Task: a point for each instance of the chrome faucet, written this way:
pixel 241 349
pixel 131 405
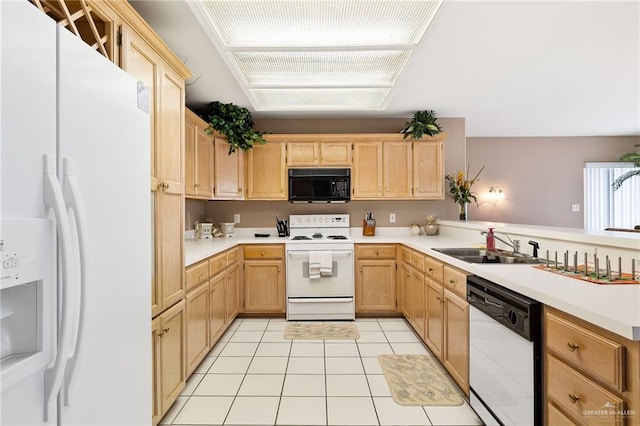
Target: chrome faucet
pixel 514 244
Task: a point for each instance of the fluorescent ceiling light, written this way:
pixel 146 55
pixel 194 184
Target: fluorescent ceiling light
pixel 357 46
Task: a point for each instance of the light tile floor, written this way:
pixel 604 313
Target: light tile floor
pixel 253 376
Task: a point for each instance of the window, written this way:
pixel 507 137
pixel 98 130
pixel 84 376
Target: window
pixel 604 207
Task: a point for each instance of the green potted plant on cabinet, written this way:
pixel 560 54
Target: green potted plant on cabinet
pixel 423 122
pixel 236 124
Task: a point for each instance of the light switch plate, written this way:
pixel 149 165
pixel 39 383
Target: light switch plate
pixel 392 218
pixel 575 208
pixel 236 218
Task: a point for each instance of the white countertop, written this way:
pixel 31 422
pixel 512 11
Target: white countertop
pixel 612 307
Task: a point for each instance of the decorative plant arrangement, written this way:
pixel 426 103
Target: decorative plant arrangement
pixel 632 157
pixel 423 122
pixel 236 124
pixel 460 190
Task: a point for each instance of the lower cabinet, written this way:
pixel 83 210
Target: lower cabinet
pixel 417 318
pixel 434 330
pixel 404 277
pixel 217 306
pixel 233 292
pixel 197 317
pixel 456 338
pixel 375 278
pixel 169 357
pixel 263 273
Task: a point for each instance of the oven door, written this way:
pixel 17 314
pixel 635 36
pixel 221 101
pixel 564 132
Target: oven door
pixel 339 284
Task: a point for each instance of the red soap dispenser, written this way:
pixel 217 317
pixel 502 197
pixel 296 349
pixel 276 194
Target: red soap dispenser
pixel 491 241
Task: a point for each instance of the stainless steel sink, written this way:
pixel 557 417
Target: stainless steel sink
pixel 474 255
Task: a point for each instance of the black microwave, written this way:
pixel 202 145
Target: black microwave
pixel 319 185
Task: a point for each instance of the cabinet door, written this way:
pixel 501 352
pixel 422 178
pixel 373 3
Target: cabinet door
pixel 417 302
pixel 433 332
pixel 397 169
pixel 172 354
pixel 266 172
pixel 375 285
pixel 456 339
pixel 197 325
pixel 367 170
pixel 189 154
pixel 140 61
pixel 264 286
pixel 217 307
pixel 156 378
pixel 302 154
pixel 405 273
pixel 228 171
pixel 204 162
pixel 428 170
pixel 335 154
pixel 233 292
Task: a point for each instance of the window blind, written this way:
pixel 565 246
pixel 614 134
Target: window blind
pixel 604 207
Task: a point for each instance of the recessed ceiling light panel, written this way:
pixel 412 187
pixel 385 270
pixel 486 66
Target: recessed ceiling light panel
pixel 320 99
pixel 313 68
pixel 311 23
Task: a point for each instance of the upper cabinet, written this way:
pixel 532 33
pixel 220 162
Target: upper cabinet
pixel 228 171
pixel 318 150
pixel 198 158
pixel 387 167
pixel 266 172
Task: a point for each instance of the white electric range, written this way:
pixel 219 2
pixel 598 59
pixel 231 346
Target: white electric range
pixel 320 280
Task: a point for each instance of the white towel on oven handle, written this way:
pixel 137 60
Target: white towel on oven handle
pixel 320 264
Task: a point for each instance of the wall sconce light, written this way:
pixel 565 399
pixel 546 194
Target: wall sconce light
pixel 495 193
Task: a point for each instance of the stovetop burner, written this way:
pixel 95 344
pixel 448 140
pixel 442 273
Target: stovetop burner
pixel 336 237
pixel 300 237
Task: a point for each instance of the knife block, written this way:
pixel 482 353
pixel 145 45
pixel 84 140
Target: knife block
pixel 369 228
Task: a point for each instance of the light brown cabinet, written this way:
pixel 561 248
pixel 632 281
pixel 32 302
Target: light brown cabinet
pixel 456 338
pixel 385 166
pixel 233 292
pixel 266 172
pixel 197 325
pixel 434 328
pixel 404 279
pixel 335 153
pixel 321 150
pixel 217 307
pixel 228 171
pixel 303 154
pixel 198 158
pixel 396 174
pixel 418 299
pixel 375 278
pixel 263 273
pixel 366 179
pixel 589 369
pixel 169 357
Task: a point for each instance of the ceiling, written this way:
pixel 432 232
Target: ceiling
pixel 510 68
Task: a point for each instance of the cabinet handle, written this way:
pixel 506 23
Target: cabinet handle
pixel 574 398
pixel 377 253
pixel 431 270
pixel 160 334
pixel 262 253
pixel 166 330
pixel 278 269
pixel 164 185
pixel 573 347
pixel 197 185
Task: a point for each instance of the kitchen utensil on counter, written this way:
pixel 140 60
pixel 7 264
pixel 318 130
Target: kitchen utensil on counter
pixel 414 229
pixel 282 226
pixel 368 225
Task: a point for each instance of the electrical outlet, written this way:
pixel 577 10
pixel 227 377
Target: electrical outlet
pixel 392 218
pixel 236 218
pixel 575 208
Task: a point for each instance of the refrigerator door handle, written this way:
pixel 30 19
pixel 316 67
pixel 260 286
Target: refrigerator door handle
pixel 54 201
pixel 75 204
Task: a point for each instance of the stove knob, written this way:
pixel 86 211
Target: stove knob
pixel 315 219
pixel 309 220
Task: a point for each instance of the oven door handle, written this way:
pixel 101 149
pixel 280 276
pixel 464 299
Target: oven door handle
pixel 335 253
pixel 321 300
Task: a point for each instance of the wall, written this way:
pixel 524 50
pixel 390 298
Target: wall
pixel 262 213
pixel 540 177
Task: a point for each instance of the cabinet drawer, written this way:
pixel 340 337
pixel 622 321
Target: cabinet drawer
pixel 232 256
pixel 263 252
pixel 196 274
pixel 455 281
pixel 217 263
pixel 595 354
pixel 434 269
pixel 405 255
pixel 417 260
pixel 556 417
pixel 577 395
pixel 375 251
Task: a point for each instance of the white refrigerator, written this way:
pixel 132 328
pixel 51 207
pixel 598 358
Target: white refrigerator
pixel 76 230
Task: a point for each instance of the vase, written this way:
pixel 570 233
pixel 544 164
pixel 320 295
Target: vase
pixel 463 211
